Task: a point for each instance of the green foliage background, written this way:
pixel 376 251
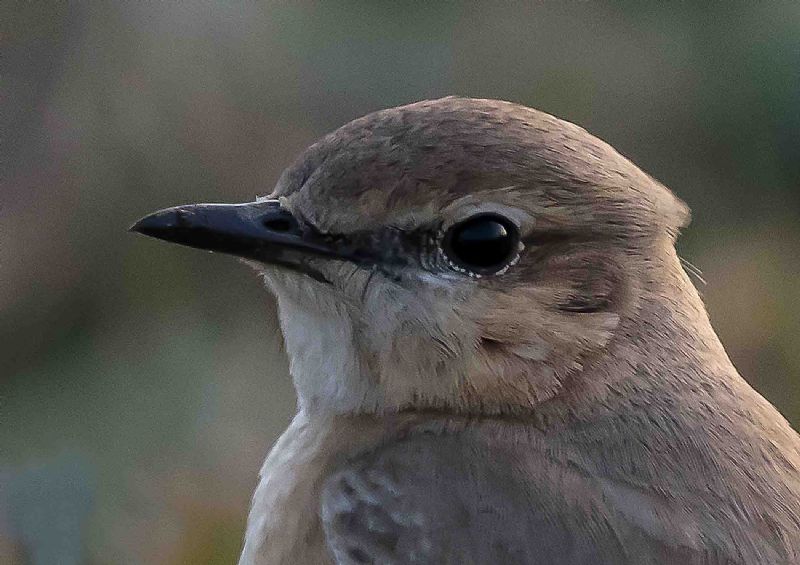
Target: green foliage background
pixel 142 384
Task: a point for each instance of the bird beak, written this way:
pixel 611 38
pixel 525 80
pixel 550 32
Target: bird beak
pixel 261 230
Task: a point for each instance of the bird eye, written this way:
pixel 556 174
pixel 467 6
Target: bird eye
pixel 483 244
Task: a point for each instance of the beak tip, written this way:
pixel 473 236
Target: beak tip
pixel 154 224
pixel 143 226
pixel 135 228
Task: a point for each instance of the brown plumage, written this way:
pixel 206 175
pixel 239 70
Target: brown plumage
pixel 568 404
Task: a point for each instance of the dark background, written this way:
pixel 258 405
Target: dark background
pixel 142 384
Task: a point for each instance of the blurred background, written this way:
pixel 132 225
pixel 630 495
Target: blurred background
pixel 142 384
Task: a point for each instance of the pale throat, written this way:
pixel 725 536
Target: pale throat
pixel 323 357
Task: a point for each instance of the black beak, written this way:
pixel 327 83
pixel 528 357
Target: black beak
pixel 262 230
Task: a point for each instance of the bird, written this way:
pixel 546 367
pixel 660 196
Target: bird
pixel 497 355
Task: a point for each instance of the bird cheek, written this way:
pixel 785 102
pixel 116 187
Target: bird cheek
pixel 525 350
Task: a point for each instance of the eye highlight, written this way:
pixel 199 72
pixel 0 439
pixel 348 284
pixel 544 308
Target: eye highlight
pixel 485 244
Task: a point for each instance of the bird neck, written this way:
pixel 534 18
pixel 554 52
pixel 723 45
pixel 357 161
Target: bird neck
pixel 673 324
pixel 663 348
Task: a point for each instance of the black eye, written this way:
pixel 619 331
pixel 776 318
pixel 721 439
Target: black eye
pixel 483 244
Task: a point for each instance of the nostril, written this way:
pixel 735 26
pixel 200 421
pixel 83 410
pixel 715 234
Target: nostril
pixel 279 224
pixel 182 217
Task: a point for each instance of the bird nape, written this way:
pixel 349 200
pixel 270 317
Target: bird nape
pixel 497 356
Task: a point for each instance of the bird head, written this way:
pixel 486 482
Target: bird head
pixel 458 254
